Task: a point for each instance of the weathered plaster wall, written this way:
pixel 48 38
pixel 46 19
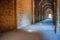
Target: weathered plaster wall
pixel 24 13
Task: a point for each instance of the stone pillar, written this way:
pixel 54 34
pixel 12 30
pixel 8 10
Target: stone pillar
pixel 58 18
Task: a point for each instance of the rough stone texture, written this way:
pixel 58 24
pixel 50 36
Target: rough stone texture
pixel 58 18
pixel 37 11
pixel 7 15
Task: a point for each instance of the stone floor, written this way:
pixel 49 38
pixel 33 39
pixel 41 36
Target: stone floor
pixel 46 27
pixel 43 30
pixel 21 35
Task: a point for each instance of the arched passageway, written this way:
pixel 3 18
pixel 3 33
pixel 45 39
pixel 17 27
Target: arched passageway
pixel 41 11
pixel 44 9
pixel 48 13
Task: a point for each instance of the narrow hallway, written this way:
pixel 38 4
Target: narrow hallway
pixel 29 20
pixel 46 24
pixel 46 27
pixel 43 30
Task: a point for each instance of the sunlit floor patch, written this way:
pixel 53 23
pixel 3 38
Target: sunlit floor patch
pixel 29 30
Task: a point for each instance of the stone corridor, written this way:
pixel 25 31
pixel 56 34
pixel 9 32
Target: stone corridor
pixel 46 27
pixel 43 30
pixel 29 19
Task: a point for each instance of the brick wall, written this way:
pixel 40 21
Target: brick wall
pixel 7 15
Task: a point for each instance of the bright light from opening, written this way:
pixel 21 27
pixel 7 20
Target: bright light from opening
pixel 29 30
pixel 50 16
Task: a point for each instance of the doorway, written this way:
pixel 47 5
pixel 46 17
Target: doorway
pixel 49 13
pixel 50 16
